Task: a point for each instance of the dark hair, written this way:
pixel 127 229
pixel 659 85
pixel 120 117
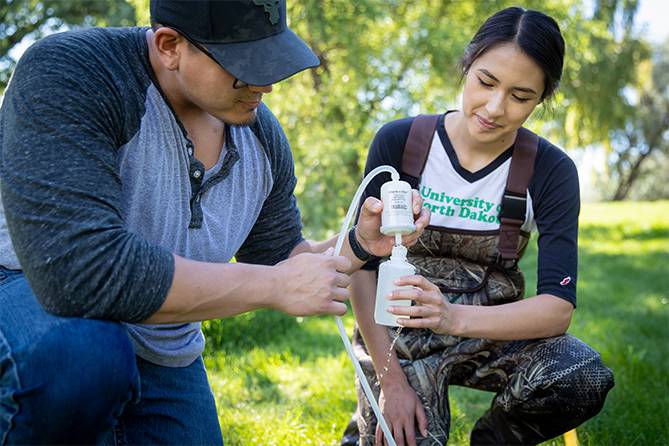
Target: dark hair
pixel 535 33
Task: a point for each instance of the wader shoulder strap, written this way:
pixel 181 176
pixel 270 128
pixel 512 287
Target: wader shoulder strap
pixel 514 202
pixel 418 146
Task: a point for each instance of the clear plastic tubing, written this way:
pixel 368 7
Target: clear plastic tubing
pixel 340 325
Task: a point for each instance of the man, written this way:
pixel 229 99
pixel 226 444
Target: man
pixel 134 165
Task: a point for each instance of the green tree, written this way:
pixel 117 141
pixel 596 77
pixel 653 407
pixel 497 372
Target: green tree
pixel 641 146
pixel 385 59
pixel 32 19
pixel 141 11
pixel 602 55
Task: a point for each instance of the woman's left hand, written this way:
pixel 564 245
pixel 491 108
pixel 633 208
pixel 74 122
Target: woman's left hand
pixel 430 309
pixel 368 228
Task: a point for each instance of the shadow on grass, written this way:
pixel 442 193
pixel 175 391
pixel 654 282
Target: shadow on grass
pixel 623 231
pixel 262 388
pixel 274 332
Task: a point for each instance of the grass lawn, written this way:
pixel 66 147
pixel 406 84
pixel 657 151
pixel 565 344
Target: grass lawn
pixel 281 380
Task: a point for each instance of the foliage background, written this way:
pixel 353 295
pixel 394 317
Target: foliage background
pixel 385 59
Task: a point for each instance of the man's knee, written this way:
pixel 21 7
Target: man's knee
pixel 85 359
pixel 77 376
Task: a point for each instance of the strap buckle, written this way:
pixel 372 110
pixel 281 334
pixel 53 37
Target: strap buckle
pixel 514 207
pixel 502 262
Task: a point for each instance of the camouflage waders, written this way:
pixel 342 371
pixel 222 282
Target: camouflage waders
pixel 543 387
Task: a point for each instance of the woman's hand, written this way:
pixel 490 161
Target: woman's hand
pixel 430 309
pixel 368 228
pixel 403 411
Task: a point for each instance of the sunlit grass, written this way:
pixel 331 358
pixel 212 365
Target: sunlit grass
pixel 280 380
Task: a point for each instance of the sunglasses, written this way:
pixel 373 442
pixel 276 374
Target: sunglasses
pixel 236 84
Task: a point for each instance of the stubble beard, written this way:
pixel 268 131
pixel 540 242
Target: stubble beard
pixel 242 122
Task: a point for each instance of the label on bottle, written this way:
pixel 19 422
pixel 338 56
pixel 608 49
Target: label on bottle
pixel 399 202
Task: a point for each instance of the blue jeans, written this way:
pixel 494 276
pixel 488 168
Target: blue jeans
pixel 77 381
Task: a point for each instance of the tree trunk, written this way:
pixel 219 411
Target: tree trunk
pixel 625 185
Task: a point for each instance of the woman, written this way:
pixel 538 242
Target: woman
pixel 469 324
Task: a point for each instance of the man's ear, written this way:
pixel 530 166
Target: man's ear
pixel 169 45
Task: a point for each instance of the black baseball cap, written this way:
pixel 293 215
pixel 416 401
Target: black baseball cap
pixel 249 38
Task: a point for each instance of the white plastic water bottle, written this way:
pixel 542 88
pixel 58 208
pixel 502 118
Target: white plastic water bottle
pixel 389 271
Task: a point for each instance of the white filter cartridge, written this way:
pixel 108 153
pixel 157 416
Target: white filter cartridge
pixel 397 216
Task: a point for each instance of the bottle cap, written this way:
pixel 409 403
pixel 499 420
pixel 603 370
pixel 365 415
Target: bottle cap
pixel 399 254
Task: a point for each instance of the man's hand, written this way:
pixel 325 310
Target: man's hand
pixel 403 411
pixel 310 284
pixel 368 229
pixel 430 309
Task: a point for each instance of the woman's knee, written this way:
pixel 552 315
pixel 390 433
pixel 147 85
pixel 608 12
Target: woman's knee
pixel 586 375
pixel 578 375
pixel 590 384
pixel 559 373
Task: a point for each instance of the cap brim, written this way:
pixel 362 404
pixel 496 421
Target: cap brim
pixel 264 61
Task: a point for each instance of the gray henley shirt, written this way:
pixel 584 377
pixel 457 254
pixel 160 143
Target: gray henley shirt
pixel 99 188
